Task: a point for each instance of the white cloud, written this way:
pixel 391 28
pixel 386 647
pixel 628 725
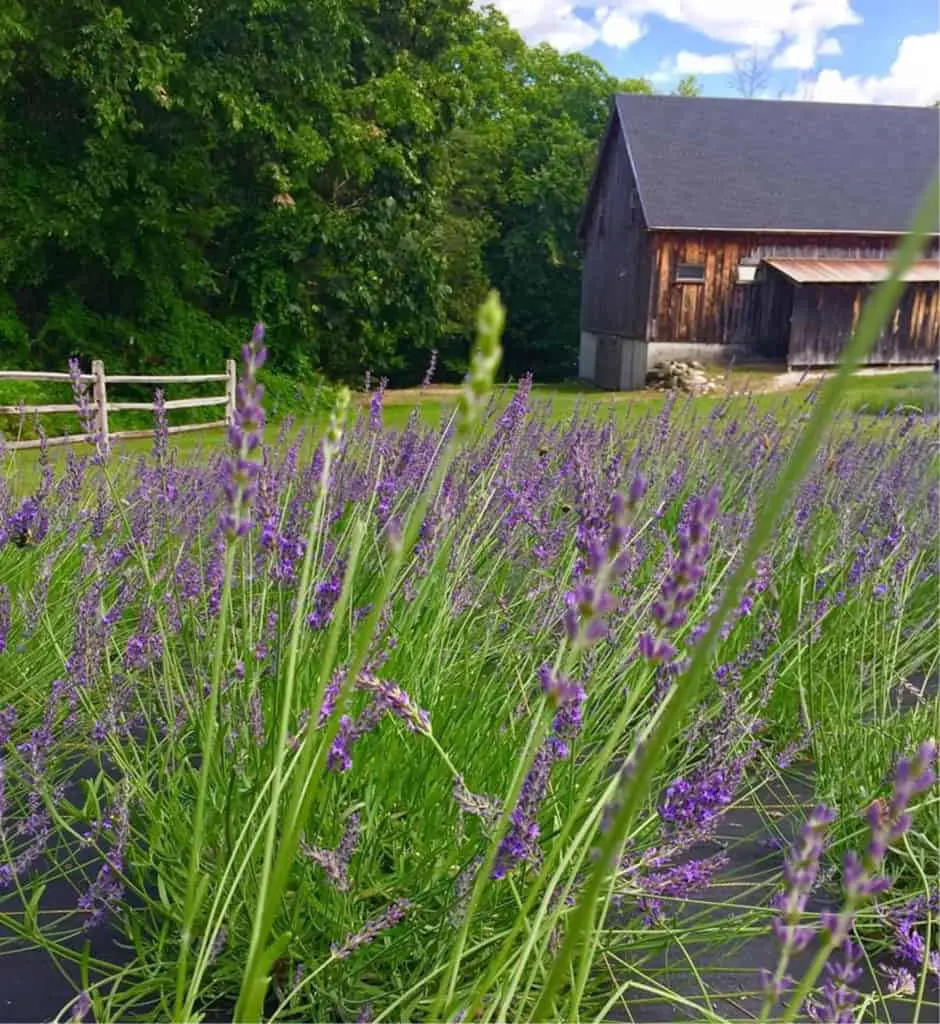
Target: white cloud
pixel 618 29
pixel 759 23
pixel 800 55
pixel 687 63
pixel 793 27
pixel 829 47
pixel 549 22
pixel 914 78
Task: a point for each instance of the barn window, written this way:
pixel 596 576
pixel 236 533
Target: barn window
pixel 690 273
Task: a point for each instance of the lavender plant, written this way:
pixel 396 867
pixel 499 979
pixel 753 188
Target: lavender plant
pixel 350 724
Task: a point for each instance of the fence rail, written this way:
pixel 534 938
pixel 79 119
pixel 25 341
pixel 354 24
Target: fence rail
pixel 102 406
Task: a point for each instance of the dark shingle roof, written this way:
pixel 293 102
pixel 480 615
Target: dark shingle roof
pixel 737 164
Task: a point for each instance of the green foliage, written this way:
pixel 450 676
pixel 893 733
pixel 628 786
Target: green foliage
pixel 688 86
pixel 305 395
pixel 357 174
pixel 519 173
pixel 15 426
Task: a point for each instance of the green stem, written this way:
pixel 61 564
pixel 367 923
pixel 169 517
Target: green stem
pixel 448 987
pixel 807 982
pixel 559 845
pixel 205 770
pixel 266 905
pixel 251 997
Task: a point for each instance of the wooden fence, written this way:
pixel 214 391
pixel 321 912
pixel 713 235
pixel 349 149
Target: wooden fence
pixel 103 407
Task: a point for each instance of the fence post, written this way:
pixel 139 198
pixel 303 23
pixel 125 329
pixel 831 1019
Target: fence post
pixel 231 385
pixel 101 397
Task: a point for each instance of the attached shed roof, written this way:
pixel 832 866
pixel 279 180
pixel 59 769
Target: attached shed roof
pixel 836 271
pixel 775 165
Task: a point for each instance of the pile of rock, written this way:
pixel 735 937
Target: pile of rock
pixel 679 376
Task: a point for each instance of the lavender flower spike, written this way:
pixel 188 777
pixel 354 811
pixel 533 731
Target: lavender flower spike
pixel 81 1007
pixel 371 930
pixel 671 611
pixel 606 561
pixel 335 863
pixel 87 410
pixel 429 372
pixel 245 435
pixel 837 999
pixel 800 872
pixel 888 821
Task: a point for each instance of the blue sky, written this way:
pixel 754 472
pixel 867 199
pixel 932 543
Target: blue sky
pixel 862 51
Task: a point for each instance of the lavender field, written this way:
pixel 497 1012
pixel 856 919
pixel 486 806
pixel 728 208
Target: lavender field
pixel 365 725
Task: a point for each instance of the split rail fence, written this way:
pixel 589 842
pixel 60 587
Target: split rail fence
pixel 102 407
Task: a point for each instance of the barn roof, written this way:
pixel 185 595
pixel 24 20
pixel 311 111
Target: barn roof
pixel 842 271
pixel 775 165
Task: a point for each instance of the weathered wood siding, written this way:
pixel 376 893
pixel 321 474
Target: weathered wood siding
pixel 616 273
pixel 720 311
pixel 824 316
pixel 770 308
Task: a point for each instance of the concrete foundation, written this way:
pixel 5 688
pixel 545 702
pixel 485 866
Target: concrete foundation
pixel 587 356
pixel 612 362
pixel 634 359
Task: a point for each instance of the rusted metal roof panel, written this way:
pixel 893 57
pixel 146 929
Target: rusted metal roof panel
pixel 842 271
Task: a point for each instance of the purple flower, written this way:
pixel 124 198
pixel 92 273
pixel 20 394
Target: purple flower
pixel 81 1007
pixel 7 721
pixel 325 596
pixel 429 372
pixel 515 411
pixel 241 471
pixel 371 930
pixel 375 405
pixel 335 863
pixel 486 808
pixel 394 699
pixel 800 873
pixel 29 524
pixel 837 998
pixel 905 921
pixel 791 751
pixel 900 981
pixel 605 561
pixel 463 886
pixel 87 410
pixel 106 891
pixel 520 844
pixel 888 821
pixel 339 759
pixel 161 431
pixel 694 804
pixel 671 610
pixel 675 883
pixel 330 696
pixel 256 717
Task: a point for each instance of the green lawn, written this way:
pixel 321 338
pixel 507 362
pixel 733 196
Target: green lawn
pixel 916 389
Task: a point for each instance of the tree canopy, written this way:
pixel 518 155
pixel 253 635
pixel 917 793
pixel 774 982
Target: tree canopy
pixel 355 172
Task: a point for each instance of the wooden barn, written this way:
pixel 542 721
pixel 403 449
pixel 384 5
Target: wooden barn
pixel 719 228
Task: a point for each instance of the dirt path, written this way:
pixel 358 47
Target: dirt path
pixel 793 378
pixel 741 380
